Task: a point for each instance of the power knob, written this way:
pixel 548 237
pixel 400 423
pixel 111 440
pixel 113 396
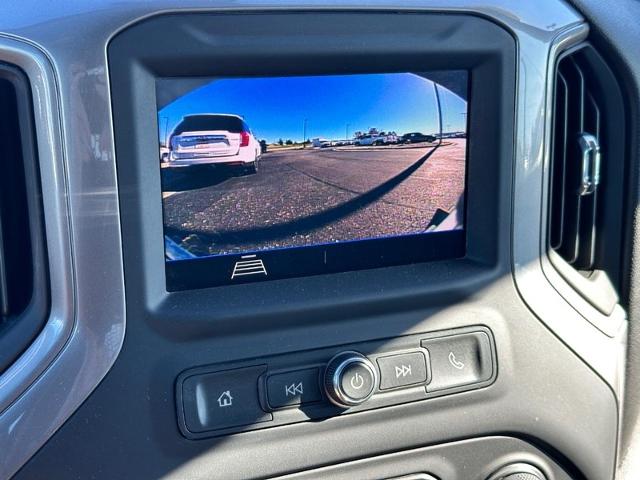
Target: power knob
pixel 350 379
pixel 518 471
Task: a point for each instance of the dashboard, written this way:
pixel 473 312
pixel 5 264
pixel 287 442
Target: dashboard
pixel 319 240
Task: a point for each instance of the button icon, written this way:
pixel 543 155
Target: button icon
pixel 357 382
pixel 293 389
pixel 403 371
pixel 225 399
pixel 455 363
pixel 248 265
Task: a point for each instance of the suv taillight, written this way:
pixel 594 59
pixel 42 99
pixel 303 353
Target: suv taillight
pixel 244 139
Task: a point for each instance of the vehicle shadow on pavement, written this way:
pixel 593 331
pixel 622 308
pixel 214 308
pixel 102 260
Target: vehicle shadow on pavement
pixel 309 223
pixel 183 178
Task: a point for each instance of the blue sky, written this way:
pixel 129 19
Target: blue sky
pixel 333 106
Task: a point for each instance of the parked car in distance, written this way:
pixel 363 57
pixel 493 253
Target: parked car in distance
pixel 214 139
pixel 376 139
pixel 417 137
pixel 321 143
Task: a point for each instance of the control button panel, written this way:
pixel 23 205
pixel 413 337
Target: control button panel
pixel 402 370
pixel 296 387
pixel 220 400
pixel 459 360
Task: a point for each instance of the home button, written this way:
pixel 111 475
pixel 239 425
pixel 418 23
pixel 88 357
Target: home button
pixel 226 399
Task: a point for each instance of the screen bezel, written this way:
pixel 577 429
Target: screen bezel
pixel 311 42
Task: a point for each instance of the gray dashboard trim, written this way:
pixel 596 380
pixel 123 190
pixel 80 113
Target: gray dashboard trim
pixel 85 332
pixel 73 352
pixel 542 288
pixel 444 461
pixel 48 136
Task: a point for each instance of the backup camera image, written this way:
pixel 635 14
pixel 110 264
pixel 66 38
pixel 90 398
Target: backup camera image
pixel 257 165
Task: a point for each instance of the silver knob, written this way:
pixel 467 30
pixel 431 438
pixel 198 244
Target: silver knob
pixel 518 471
pixel 350 379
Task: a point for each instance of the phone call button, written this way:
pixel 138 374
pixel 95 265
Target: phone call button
pixel 458 360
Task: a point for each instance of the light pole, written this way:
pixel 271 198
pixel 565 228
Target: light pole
pixel 346 132
pixel 437 92
pixel 166 127
pixel 304 133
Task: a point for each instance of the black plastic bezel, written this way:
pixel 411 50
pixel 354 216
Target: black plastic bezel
pixel 308 42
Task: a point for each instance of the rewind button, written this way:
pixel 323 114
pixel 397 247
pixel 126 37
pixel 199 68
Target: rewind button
pixel 293 388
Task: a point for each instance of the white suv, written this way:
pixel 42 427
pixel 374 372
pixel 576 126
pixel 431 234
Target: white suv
pixel 376 139
pixel 213 138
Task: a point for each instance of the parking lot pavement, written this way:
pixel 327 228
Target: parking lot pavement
pixel 303 197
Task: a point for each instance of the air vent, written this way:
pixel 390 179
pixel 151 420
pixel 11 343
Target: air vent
pixel 23 286
pixel 587 175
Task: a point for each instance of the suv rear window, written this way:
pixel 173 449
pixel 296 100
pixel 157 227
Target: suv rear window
pixel 209 122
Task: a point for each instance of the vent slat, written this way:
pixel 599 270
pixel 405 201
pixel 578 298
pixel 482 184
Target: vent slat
pixel 588 232
pixel 4 287
pixel 581 94
pixel 570 244
pixel 559 174
pixel 593 116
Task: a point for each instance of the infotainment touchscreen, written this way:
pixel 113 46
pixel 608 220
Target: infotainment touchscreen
pixel 276 177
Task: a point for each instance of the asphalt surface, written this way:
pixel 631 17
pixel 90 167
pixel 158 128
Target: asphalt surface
pixel 305 197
